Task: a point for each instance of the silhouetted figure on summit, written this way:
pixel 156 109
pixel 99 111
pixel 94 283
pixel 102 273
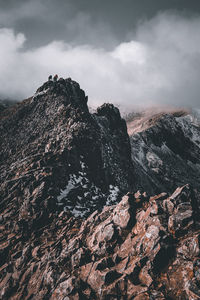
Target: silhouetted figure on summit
pixel 50 78
pixel 55 78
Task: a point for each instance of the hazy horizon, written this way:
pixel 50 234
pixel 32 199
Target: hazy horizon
pixel 130 54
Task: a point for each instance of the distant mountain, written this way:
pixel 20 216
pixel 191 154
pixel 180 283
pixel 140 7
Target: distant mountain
pixel 5 103
pixel 166 149
pixel 93 207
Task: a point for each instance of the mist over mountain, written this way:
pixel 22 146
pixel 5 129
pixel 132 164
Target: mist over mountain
pixel 157 64
pixel 100 150
pixel 88 212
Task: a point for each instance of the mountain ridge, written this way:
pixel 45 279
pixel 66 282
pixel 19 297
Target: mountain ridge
pixel 90 212
pixel 54 134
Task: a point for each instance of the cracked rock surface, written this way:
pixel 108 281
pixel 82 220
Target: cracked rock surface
pixel 154 254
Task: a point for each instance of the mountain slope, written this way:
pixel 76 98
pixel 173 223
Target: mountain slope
pixel 61 167
pixel 166 150
pixel 142 248
pixel 52 147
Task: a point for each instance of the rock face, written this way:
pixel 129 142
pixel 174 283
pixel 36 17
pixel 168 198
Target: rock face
pixel 55 154
pixel 56 158
pixel 166 150
pixel 142 248
pixel 73 225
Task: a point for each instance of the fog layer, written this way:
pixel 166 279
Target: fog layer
pixel 159 65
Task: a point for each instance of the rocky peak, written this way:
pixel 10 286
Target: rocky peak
pixel 58 156
pixel 70 91
pixel 111 113
pixel 73 225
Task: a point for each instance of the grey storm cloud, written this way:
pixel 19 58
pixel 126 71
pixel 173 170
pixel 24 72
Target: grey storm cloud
pixel 156 62
pixel 73 21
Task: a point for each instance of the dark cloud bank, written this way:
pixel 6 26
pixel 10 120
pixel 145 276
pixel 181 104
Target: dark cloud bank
pixel 157 62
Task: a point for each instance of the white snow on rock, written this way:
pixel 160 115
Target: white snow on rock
pixel 88 196
pixel 112 198
pixel 79 212
pixel 39 94
pixel 73 180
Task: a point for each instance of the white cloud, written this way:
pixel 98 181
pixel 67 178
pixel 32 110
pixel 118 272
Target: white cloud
pixel 160 65
pixel 132 52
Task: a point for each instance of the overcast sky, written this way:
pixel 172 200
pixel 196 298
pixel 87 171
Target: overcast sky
pixel 127 52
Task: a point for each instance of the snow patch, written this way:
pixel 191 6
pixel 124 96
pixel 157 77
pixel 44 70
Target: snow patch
pixel 39 94
pixel 113 194
pixel 85 196
pixel 73 180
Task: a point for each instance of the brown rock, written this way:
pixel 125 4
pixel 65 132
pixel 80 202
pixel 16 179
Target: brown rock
pixel 121 214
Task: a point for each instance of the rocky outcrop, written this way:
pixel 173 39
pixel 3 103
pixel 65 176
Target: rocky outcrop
pixel 165 150
pixel 57 161
pixel 141 248
pixel 55 155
